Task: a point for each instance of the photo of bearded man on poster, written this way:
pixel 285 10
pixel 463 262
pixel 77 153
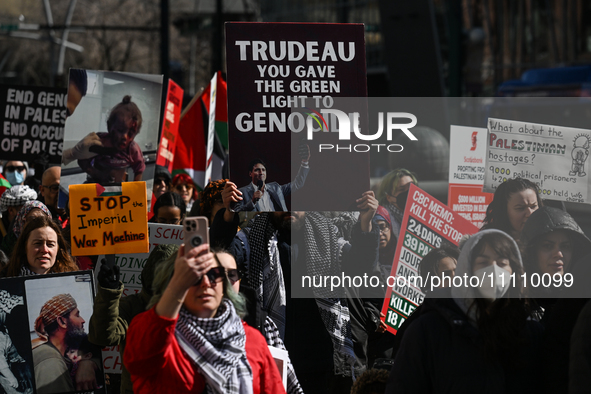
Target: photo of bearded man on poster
pixel 60 327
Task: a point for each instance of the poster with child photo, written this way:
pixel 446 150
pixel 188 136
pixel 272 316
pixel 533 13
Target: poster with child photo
pixel 111 131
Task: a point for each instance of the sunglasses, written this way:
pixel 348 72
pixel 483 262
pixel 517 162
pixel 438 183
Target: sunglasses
pixel 53 188
pixel 234 275
pixel 15 168
pixel 215 275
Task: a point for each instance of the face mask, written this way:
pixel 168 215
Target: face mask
pixel 501 282
pixel 15 177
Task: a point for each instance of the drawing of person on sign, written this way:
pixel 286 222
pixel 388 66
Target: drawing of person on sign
pixel 579 154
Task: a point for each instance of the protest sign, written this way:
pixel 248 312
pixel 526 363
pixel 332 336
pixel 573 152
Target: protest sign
pixel 466 173
pixel 427 224
pixel 274 68
pixel 170 125
pixel 30 304
pixel 32 122
pixel 112 135
pixel 131 266
pixel 552 157
pixel 108 221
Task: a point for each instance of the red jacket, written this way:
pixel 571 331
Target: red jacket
pixel 158 365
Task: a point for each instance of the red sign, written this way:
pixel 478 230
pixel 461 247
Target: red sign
pixel 170 126
pixel 426 225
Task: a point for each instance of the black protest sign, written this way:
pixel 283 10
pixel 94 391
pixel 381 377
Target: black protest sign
pixel 276 70
pixel 42 356
pixel 33 121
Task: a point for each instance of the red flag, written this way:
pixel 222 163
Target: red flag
pixel 190 152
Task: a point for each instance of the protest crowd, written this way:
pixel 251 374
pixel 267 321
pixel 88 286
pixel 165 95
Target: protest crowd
pixel 138 272
pixel 204 315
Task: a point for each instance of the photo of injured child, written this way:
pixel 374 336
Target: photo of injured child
pixel 115 151
pixel 112 135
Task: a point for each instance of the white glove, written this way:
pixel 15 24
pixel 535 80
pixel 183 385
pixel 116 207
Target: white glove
pixel 81 150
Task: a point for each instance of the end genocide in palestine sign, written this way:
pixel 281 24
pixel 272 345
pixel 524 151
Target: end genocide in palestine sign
pixel 33 121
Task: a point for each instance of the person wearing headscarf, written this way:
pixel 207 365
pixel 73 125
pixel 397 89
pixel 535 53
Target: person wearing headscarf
pixel 58 322
pixel 11 202
pixel 556 247
pixel 29 210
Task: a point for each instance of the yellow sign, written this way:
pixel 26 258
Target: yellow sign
pixel 109 221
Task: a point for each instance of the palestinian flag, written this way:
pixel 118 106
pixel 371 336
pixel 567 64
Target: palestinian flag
pixel 190 155
pixel 4 184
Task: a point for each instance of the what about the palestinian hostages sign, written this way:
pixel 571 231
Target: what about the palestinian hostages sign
pixel 553 157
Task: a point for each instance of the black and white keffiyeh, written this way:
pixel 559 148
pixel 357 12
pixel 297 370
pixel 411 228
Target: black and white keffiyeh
pixel 263 269
pixel 25 271
pixel 9 301
pixel 273 339
pixel 396 216
pixel 15 196
pixel 323 253
pixel 217 347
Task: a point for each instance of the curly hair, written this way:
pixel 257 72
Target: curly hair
pixel 64 262
pixel 210 195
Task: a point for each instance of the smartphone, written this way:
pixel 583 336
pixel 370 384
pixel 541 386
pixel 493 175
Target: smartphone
pixel 196 232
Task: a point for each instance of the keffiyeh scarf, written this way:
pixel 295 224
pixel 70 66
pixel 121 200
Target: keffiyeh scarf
pixel 263 269
pixel 21 216
pixel 323 253
pixel 396 216
pixel 217 347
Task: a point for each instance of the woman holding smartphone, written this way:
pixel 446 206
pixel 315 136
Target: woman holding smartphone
pixel 194 338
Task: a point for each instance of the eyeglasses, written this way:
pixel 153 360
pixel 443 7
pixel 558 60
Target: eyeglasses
pixel 53 188
pixel 15 168
pixel 182 186
pixel 234 275
pixel 383 228
pixel 215 275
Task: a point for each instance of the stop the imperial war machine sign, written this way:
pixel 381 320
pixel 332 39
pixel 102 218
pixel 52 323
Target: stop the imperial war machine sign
pixel 109 222
pixel 427 224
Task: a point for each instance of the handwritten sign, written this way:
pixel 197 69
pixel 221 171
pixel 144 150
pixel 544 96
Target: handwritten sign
pixel 553 157
pixel 466 173
pixel 426 225
pixel 108 222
